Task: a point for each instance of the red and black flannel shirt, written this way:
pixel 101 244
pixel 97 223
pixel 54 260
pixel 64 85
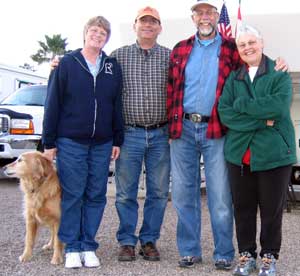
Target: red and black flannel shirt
pixel 229 60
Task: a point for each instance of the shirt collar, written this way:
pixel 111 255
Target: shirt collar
pixel 149 51
pixel 98 60
pixel 207 42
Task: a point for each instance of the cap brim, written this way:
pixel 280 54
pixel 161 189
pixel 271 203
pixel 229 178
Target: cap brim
pixel 198 4
pixel 146 14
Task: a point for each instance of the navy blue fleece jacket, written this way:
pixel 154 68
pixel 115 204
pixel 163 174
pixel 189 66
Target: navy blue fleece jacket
pixel 82 108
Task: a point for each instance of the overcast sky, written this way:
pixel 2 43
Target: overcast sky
pixel 24 22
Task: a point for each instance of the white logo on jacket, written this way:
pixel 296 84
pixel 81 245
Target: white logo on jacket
pixel 108 68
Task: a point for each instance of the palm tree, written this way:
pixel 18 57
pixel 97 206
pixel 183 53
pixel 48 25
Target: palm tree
pixel 55 45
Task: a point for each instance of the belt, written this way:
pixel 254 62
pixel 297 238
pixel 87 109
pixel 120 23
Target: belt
pixel 149 127
pixel 196 118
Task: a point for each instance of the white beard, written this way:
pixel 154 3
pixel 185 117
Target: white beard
pixel 206 31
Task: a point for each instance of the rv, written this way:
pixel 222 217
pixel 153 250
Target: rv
pixel 12 78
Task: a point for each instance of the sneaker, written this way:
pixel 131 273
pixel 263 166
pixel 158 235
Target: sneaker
pixel 223 264
pixel 189 261
pixel 126 253
pixel 149 252
pixel 73 260
pixel 89 259
pixel 268 266
pixel 246 265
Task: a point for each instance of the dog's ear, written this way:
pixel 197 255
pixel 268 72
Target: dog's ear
pixel 46 165
pixel 38 172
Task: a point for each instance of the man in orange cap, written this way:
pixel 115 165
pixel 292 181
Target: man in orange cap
pixel 145 68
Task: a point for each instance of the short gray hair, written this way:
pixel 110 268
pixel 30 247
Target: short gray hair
pixel 99 21
pixel 247 29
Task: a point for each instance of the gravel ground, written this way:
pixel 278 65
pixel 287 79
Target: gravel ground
pixel 12 229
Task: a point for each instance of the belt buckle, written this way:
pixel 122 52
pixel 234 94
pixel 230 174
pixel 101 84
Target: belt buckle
pixel 196 118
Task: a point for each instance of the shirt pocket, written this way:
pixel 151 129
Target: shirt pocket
pixel 176 65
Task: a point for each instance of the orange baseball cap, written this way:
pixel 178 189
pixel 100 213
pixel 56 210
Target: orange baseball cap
pixel 148 11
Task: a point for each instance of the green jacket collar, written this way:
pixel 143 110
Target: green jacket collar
pixel 262 69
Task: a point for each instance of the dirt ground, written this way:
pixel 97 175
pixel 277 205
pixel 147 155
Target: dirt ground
pixel 12 231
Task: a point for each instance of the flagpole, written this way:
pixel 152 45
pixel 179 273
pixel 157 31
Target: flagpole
pixel 239 19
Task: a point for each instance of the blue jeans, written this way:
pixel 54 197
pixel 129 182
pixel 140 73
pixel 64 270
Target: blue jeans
pixel 185 163
pixel 83 172
pixel 152 147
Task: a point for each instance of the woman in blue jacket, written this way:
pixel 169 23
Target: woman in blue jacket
pixel 83 128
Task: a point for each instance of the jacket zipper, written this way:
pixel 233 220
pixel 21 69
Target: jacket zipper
pixel 95 79
pixel 96 107
pixel 251 96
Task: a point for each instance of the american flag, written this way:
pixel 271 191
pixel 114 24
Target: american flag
pixel 224 22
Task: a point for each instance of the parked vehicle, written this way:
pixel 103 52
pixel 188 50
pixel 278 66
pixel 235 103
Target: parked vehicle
pixel 21 117
pixel 12 78
pixel 21 123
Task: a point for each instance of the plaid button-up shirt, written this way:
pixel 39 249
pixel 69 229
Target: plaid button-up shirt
pixel 145 74
pixel 229 60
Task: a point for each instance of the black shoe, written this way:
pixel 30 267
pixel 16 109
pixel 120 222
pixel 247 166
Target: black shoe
pixel 189 261
pixel 223 264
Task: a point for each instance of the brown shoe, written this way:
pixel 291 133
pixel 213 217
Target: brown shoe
pixel 126 253
pixel 149 252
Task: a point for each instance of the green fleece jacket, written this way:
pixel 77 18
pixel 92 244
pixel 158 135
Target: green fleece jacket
pixel 245 107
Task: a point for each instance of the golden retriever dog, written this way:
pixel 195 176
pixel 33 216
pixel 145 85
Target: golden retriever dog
pixel 42 196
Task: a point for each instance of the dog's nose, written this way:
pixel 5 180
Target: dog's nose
pixel 5 170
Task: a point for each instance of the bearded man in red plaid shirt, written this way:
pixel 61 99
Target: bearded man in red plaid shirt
pixel 198 69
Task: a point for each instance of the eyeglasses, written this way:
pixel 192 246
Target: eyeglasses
pixel 249 43
pixel 201 13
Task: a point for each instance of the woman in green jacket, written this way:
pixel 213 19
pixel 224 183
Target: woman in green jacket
pixel 259 149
